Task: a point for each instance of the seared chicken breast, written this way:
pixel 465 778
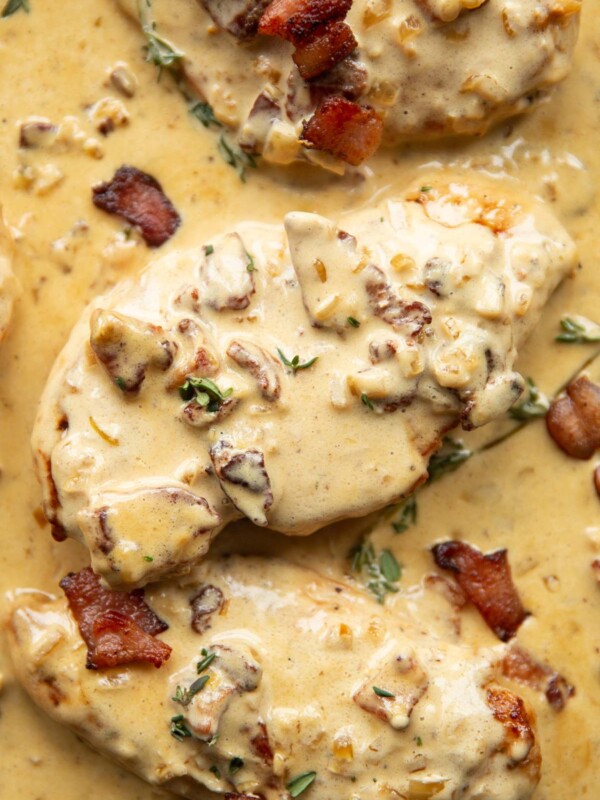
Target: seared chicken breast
pixel 279 678
pixel 234 378
pixel 328 81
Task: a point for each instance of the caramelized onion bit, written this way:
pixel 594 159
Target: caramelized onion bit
pixel 573 420
pixel 238 17
pixel 295 20
pixel 139 199
pixel 344 129
pixel 328 45
pixel 520 666
pixel 117 627
pixel 487 581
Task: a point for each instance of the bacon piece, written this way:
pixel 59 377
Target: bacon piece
pixel 344 129
pixel 263 368
pixel 328 45
pixel 238 17
pixel 487 582
pixel 347 79
pixel 261 745
pixel 118 627
pixel 139 199
pixel 520 666
pixel 387 305
pixel 573 420
pixel 295 20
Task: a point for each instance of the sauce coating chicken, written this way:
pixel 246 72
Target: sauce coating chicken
pixel 8 282
pixel 231 379
pixel 411 69
pixel 246 707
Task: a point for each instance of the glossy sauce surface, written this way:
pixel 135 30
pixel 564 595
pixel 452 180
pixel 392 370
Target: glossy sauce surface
pixel 524 494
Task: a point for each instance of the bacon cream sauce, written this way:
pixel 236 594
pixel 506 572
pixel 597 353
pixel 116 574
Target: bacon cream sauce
pixel 524 494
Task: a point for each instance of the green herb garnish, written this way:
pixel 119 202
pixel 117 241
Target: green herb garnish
pixel 449 458
pixel 179 730
pixel 536 404
pixel 408 515
pixel 215 771
pixel 353 322
pixel 426 188
pixel 235 765
pixel 209 657
pixel 120 383
pixel 148 558
pixel 380 574
pixel 15 5
pixel 295 364
pixel 578 330
pixel 383 692
pixel 209 250
pixel 300 783
pixel 418 741
pixel 237 159
pixel 185 696
pixel 204 113
pixel 250 265
pixel 364 399
pixel 205 392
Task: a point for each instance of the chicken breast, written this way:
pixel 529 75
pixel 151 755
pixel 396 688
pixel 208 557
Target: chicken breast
pixel 294 378
pixel 8 282
pixel 327 81
pixel 245 708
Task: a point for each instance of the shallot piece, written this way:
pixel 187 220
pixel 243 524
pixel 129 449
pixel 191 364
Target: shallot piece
pixel 344 129
pixel 139 198
pixel 117 627
pixel 487 582
pixel 573 420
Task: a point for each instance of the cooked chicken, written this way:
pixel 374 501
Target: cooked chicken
pixel 8 283
pixel 233 379
pixel 411 69
pixel 245 708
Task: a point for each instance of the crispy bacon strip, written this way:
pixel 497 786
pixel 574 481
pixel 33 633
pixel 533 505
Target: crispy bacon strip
pixel 487 581
pixel 520 666
pixel 344 129
pixel 118 627
pixel 139 199
pixel 328 45
pixel 573 420
pixel 296 20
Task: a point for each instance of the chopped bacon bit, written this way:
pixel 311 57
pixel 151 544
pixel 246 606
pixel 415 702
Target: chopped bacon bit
pixel 487 582
pixel 344 129
pixel 261 745
pixel 295 20
pixel 597 480
pixel 391 308
pixel 139 199
pixel 520 666
pixel 208 601
pixel 573 420
pixel 328 45
pixel 347 79
pixel 118 627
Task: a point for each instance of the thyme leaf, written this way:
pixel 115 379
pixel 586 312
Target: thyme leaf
pixel 238 159
pixel 365 400
pixel 408 515
pixel 209 657
pixel 450 457
pixel 300 783
pixel 215 771
pixel 536 404
pixel 15 5
pixel 295 364
pixel 578 330
pixel 353 322
pixel 379 573
pixel 205 392
pixel 158 50
pixel 185 696
pixel 235 765
pixel 383 692
pixel 204 114
pixel 179 730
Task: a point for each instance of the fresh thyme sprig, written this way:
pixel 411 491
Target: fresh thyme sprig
pixel 535 404
pixel 578 330
pixel 380 573
pixel 205 392
pixel 408 515
pixel 238 159
pixel 158 50
pixel 300 783
pixel 204 114
pixel 185 696
pixel 295 364
pixel 448 458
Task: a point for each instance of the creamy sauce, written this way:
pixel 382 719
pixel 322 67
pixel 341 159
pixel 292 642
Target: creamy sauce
pixel 524 494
